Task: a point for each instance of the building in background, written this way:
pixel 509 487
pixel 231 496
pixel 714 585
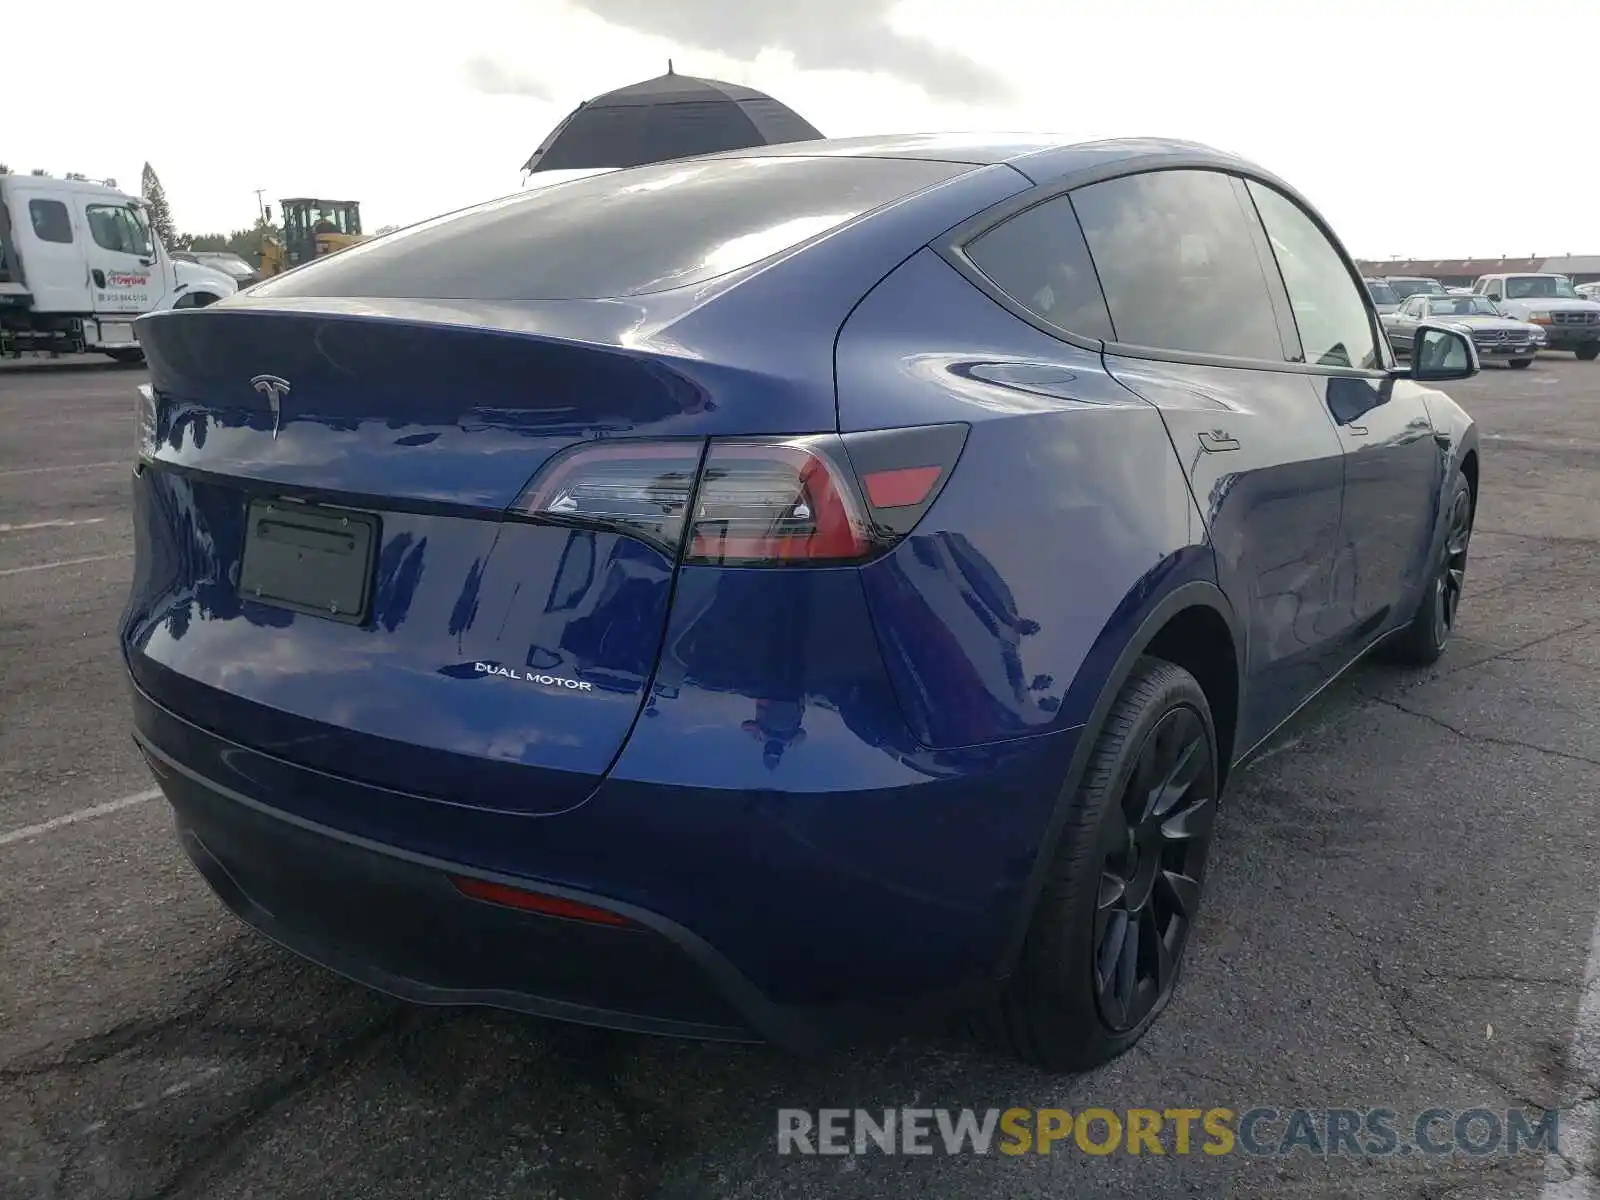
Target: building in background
pixel 1463 272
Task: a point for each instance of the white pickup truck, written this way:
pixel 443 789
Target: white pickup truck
pixel 1570 321
pixel 79 263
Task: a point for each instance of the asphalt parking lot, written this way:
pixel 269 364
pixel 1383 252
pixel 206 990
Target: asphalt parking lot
pixel 1401 908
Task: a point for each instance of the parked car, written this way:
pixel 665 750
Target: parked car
pixel 1589 291
pixel 1493 333
pixel 1414 285
pixel 738 597
pixel 1383 297
pixel 236 268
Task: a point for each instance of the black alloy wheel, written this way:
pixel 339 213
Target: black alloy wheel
pixel 1106 939
pixel 1422 642
pixel 1452 574
pixel 1152 864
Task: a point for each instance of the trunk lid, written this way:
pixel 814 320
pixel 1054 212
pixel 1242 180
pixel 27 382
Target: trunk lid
pixel 483 645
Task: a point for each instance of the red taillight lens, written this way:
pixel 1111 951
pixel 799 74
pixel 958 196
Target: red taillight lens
pixel 898 489
pixel 537 902
pixel 810 500
pixel 777 502
pixel 903 471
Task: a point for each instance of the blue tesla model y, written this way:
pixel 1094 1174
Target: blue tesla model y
pixel 762 595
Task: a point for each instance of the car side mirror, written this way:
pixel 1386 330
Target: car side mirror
pixel 1440 354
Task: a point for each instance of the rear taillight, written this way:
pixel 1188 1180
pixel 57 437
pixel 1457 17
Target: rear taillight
pixel 145 442
pixel 640 488
pixel 813 500
pixel 778 502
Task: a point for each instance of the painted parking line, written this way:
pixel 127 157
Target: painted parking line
pixel 28 832
pixel 89 466
pixel 59 523
pixel 66 562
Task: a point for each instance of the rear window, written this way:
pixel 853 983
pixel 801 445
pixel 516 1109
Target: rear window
pixel 621 234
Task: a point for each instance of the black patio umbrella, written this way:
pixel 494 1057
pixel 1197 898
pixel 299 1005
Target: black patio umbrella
pixel 670 116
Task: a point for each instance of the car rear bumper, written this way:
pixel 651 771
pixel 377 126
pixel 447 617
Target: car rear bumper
pixel 785 919
pixel 398 924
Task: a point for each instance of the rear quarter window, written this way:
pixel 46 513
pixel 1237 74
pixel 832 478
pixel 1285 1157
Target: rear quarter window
pixel 1040 260
pixel 629 233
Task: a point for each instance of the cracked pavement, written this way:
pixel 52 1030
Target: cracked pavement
pixel 1398 915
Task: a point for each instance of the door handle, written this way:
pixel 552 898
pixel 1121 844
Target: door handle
pixel 99 278
pixel 1218 440
pixel 1356 430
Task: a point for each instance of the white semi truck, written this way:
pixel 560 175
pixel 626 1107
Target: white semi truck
pixel 79 263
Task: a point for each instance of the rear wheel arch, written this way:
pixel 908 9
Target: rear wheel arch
pixel 1191 625
pixel 1200 640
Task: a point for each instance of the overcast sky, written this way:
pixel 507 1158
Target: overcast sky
pixel 1394 116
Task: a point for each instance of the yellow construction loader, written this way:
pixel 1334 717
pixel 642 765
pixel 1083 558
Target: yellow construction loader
pixel 311 229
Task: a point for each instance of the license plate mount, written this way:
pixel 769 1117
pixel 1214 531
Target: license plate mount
pixel 309 558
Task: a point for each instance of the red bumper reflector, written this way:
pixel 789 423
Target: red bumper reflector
pixel 550 906
pixel 896 489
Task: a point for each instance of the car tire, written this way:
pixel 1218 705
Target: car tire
pixel 1589 352
pixel 1421 642
pixel 1105 943
pixel 1519 363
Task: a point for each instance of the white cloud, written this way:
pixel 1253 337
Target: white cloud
pixel 1399 118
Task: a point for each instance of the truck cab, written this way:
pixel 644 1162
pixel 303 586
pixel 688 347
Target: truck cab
pixel 1570 322
pixel 79 262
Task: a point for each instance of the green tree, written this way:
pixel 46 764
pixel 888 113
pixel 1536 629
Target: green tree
pixel 155 198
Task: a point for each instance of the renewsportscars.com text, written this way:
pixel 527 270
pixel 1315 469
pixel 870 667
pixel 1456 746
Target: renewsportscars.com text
pixel 1259 1131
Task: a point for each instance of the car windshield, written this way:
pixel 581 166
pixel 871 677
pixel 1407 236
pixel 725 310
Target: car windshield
pixel 1462 306
pixel 1381 293
pixel 1525 287
pixel 1412 287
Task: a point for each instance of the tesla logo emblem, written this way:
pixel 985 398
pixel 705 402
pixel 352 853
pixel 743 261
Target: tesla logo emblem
pixel 274 389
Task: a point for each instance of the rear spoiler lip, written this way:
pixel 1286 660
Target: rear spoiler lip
pixel 609 324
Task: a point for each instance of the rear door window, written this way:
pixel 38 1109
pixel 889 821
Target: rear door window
pixel 51 223
pixel 629 233
pixel 1178 262
pixel 1039 259
pixel 1329 309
